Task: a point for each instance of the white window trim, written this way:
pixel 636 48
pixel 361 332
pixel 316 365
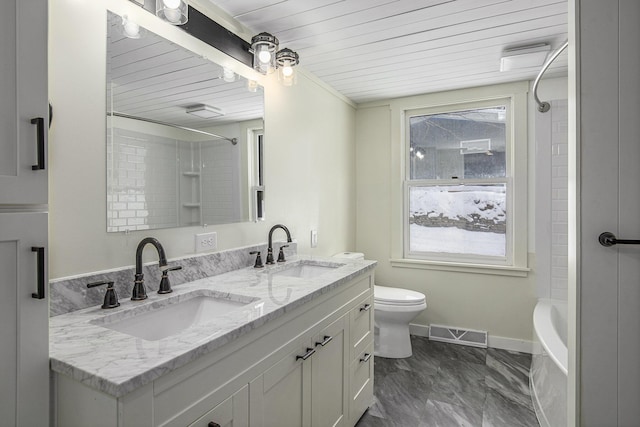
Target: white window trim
pixel 517 159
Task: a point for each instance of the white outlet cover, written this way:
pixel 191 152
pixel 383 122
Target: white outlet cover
pixel 206 242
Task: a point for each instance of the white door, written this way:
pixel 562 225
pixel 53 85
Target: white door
pixel 608 286
pixel 24 113
pixel 24 320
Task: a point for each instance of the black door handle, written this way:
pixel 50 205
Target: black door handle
pixel 609 239
pixel 39 122
pixel 40 268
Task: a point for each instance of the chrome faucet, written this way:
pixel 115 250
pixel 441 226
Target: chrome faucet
pixel 270 248
pixel 139 292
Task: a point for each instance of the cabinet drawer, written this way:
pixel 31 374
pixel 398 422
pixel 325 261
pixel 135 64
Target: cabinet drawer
pixel 233 412
pixel 361 383
pixel 361 325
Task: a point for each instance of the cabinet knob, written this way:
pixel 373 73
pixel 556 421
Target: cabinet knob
pixel 213 424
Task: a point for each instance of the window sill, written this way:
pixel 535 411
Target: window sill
pixel 499 270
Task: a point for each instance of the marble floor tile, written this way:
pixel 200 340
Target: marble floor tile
pixel 502 412
pixel 444 385
pixel 446 414
pixel 460 383
pixel 508 374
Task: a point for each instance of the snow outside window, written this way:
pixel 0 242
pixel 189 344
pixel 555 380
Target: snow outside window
pixel 457 191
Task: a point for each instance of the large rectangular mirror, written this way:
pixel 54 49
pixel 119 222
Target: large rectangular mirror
pixel 184 136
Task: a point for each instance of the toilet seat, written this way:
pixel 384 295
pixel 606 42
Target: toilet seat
pixel 386 296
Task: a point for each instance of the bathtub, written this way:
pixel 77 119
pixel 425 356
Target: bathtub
pixel 548 374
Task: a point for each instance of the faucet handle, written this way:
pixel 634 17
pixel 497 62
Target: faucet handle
pixel 110 297
pixel 281 253
pixel 258 263
pixel 165 285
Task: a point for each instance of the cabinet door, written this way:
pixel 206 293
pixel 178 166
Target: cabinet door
pixel 329 371
pixel 281 397
pixel 24 333
pixel 233 412
pixel 23 101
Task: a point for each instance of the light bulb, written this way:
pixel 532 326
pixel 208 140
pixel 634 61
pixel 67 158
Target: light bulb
pixel 131 29
pixel 171 4
pixel 228 75
pixel 264 56
pixel 287 71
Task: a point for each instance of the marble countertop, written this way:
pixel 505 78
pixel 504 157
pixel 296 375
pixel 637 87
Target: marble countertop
pixel 117 363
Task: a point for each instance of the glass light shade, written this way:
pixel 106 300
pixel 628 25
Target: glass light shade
pixel 252 85
pixel 175 12
pixel 228 75
pixel 130 29
pixel 264 47
pixel 287 61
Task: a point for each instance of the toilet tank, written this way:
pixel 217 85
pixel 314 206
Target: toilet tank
pixel 349 255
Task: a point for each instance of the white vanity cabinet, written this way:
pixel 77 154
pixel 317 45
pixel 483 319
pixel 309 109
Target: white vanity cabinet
pixel 24 116
pixel 304 368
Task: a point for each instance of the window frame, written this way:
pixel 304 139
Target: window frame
pixel 514 96
pixel 410 183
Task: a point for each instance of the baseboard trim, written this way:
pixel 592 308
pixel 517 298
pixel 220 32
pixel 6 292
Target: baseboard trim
pixel 503 343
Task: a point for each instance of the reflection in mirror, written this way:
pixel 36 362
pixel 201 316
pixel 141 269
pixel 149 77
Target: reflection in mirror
pixel 184 136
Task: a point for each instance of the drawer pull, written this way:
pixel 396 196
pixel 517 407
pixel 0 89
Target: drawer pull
pixel 307 355
pixel 366 358
pixel 365 307
pixel 326 340
pixel 212 424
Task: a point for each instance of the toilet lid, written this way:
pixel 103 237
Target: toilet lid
pixel 397 296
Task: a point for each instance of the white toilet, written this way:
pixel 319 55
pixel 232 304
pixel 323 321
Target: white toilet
pixel 394 308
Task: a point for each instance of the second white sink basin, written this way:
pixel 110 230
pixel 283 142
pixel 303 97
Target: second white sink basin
pixel 168 317
pixel 306 269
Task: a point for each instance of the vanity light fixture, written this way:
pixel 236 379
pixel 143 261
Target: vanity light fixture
pixel 205 111
pixel 252 85
pixel 287 60
pixel 264 47
pixel 228 75
pixel 175 12
pixel 130 29
pixel 524 57
pixel 267 58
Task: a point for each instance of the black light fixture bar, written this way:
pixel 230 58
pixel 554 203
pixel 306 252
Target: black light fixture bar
pixel 209 31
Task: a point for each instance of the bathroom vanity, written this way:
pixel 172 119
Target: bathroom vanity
pixel 294 348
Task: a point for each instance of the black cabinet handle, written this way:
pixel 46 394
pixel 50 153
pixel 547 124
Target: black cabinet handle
pixel 40 267
pixel 365 307
pixel 39 122
pixel 212 424
pixel 366 357
pixel 326 340
pixel 307 355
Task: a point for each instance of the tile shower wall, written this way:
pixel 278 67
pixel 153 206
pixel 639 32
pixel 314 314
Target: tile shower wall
pixel 142 191
pixel 160 182
pixel 552 201
pixel 559 199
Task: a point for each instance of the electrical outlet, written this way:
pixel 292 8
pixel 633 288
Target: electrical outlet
pixel 314 238
pixel 206 242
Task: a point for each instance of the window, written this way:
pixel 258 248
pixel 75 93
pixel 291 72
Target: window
pixel 464 186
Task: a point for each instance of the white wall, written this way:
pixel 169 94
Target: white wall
pixel 502 305
pixel 309 153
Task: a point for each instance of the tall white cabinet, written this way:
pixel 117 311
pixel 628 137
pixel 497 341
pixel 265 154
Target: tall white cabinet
pixel 24 116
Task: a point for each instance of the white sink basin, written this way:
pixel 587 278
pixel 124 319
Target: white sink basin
pixel 306 269
pixel 173 315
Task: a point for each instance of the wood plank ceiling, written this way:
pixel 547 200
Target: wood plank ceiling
pixel 377 49
pixel 153 78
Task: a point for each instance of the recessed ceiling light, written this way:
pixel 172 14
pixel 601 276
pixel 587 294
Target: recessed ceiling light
pixel 205 111
pixel 524 57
